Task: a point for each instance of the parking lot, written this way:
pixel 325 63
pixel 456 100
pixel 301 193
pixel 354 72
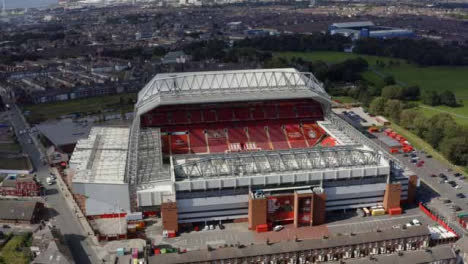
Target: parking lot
pixel 438 181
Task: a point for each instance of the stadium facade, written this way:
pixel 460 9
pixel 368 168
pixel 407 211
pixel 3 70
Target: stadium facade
pixel 261 146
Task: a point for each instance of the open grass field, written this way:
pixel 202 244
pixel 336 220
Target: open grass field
pixel 436 78
pixel 16 250
pixel 41 112
pixel 345 99
pixel 333 56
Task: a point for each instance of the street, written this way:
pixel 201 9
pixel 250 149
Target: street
pixel 64 218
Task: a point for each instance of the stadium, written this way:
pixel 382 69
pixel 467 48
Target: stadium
pixel 260 146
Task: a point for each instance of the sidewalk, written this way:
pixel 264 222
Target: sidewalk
pixel 74 206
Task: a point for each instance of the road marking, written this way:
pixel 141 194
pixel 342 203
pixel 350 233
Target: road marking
pixel 374 221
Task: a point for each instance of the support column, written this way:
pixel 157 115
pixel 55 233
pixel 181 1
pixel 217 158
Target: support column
pixel 392 196
pixel 296 210
pixel 412 186
pixel 318 208
pixel 257 212
pixel 169 216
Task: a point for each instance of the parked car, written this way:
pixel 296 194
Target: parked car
pixel 278 228
pixel 433 175
pixel 460 195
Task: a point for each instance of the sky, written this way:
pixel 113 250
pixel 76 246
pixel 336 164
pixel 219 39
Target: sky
pixel 27 3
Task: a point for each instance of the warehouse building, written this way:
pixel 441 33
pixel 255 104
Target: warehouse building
pixel 97 167
pixel 367 29
pixel 261 146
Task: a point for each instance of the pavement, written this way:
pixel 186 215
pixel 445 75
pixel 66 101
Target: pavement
pixel 83 249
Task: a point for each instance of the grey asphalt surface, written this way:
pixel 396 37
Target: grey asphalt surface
pixel 433 188
pixel 63 217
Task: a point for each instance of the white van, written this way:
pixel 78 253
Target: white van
pixel 50 181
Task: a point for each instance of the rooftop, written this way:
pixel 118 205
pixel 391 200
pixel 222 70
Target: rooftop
pixel 17 210
pixel 353 24
pixel 288 246
pixel 101 158
pixel 11 179
pixel 434 255
pixel 65 131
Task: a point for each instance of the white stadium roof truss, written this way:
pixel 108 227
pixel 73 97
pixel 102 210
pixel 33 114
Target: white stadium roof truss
pixel 265 162
pixel 229 82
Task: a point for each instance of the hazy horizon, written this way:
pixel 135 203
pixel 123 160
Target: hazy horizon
pixel 28 3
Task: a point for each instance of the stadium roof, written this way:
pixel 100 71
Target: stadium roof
pixel 101 158
pixel 223 86
pixel 353 24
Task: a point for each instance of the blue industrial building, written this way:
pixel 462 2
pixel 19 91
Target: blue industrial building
pixel 367 29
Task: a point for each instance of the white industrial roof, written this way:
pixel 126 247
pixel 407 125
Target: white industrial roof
pixel 353 24
pixel 101 158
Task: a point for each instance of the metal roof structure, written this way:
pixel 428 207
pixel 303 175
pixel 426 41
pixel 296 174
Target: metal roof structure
pixel 266 162
pixel 223 86
pixel 102 157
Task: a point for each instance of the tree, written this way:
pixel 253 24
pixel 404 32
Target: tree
pixel 448 98
pixel 456 149
pixel 411 92
pixel 431 98
pixel 377 106
pixel 389 80
pixel 407 118
pixel 393 109
pixel 392 92
pixel 420 124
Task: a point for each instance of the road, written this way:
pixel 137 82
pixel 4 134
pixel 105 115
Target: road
pixel 63 217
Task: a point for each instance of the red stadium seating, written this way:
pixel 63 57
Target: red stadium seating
pixel 195 116
pixel 240 126
pixel 286 111
pixel 258 135
pixel 270 112
pixel 237 135
pixel 217 141
pixel 225 114
pixel 209 116
pixel 257 113
pixel 328 142
pixel 312 133
pixel 277 137
pixel 295 137
pixel 308 111
pixel 179 144
pixel 179 117
pixel 242 113
pixel 197 141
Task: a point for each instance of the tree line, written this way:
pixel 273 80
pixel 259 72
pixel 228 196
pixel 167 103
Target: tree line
pixel 440 131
